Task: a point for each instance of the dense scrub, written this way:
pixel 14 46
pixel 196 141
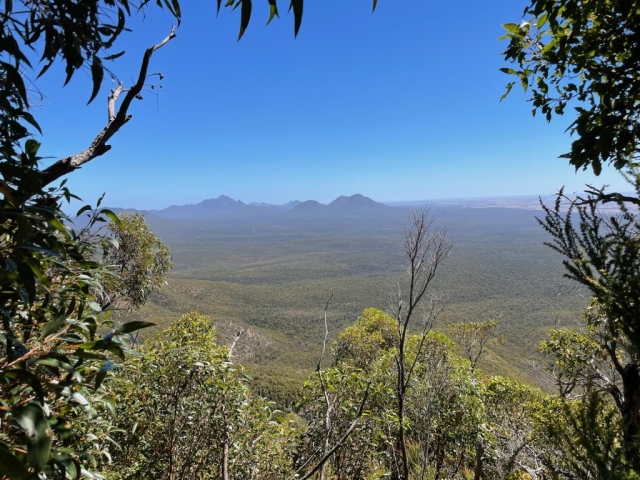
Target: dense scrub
pixel 185 410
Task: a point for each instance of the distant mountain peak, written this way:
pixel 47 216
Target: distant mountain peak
pixel 354 202
pixel 206 208
pixel 308 205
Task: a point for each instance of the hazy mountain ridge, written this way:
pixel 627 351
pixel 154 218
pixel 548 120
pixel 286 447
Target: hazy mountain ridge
pixel 227 207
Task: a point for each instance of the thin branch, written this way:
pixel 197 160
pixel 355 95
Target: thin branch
pixel 597 195
pixel 116 121
pixel 330 453
pixel 326 333
pixel 235 341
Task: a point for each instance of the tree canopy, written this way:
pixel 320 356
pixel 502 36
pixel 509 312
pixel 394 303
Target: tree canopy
pixel 58 348
pixel 585 55
pixel 582 55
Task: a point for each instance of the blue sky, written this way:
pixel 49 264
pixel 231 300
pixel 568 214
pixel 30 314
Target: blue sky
pixel 402 104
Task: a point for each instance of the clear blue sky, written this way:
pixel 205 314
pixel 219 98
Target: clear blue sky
pixel 402 104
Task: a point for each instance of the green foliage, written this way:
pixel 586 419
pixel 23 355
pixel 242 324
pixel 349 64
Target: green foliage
pixel 473 337
pixel 452 418
pixel 582 54
pixel 57 348
pixel 186 412
pixel 139 259
pixel 583 439
pixel 513 441
pixel 362 343
pixel 603 254
pixel 444 410
pixel 330 402
pixel 596 404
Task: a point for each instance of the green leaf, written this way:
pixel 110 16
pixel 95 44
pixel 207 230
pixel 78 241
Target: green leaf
pixel 31 146
pixel 49 362
pixel 53 326
pixel 33 421
pixel 71 467
pixel 133 326
pixel 97 74
pixel 508 89
pixel 112 216
pixel 245 16
pixel 100 378
pixel 57 224
pixel 34 248
pixel 298 7
pixel 95 307
pixel 11 467
pixel 31 120
pixel 375 4
pixel 28 280
pixel 83 209
pixel 116 350
pixel 114 56
pixel 542 20
pixel 273 11
pixel 511 27
pixel 32 380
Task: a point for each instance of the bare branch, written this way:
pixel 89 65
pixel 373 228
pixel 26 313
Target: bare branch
pixel 326 333
pixel 235 341
pixel 328 455
pixel 598 195
pixel 426 247
pixel 116 121
pixel 436 307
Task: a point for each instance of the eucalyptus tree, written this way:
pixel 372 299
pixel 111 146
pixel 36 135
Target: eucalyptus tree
pixel 426 247
pixel 584 55
pixel 57 347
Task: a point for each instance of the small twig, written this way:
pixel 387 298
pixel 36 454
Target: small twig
pixel 328 455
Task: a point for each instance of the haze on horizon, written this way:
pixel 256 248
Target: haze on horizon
pixel 498 200
pixel 401 105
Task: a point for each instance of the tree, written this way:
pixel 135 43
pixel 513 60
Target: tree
pixel 443 409
pixel 473 337
pixel 57 346
pixel 187 412
pixel 426 247
pixel 139 260
pixel 514 443
pixel 583 54
pixel 603 254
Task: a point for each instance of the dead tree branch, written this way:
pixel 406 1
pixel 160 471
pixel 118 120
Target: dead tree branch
pixel 235 341
pixel 340 442
pixel 116 120
pixel 426 248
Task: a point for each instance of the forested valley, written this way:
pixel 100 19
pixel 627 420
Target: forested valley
pixel 455 340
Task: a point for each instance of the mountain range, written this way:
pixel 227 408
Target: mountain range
pixel 226 207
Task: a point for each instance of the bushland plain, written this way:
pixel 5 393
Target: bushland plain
pixel 271 275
